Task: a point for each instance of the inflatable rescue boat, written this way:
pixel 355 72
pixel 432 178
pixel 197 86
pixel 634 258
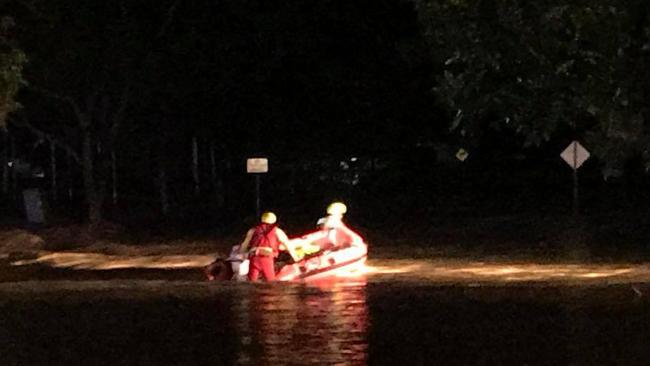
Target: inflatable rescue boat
pixel 337 262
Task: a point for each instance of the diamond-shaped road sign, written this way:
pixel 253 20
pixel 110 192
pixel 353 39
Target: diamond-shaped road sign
pixel 462 154
pixel 575 154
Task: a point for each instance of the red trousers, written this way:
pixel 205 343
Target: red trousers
pixel 261 264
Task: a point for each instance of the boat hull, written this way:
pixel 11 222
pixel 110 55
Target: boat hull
pixel 344 262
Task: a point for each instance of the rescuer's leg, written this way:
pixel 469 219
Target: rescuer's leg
pixel 254 270
pixel 268 269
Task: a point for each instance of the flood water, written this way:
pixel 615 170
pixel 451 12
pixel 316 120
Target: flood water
pixel 386 317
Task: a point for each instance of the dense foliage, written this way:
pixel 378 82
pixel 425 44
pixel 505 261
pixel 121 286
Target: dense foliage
pixel 546 69
pixel 12 61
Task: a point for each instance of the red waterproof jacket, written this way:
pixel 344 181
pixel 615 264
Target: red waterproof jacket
pixel 265 236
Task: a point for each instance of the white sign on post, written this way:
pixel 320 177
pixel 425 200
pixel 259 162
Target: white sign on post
pixel 575 155
pixel 257 165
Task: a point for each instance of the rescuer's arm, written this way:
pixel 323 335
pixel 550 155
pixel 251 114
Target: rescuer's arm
pixel 354 238
pixel 243 247
pixel 308 244
pixel 286 244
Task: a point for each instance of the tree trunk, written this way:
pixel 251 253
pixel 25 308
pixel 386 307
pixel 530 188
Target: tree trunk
pixel 53 169
pixel 217 180
pixel 70 176
pixel 5 166
pixel 14 171
pixel 93 196
pixel 114 176
pixel 195 166
pixel 213 167
pixel 162 189
pixel 226 185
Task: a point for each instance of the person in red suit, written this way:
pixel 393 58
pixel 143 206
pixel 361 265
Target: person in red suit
pixel 263 244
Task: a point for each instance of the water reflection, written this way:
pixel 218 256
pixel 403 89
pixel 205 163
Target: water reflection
pixel 324 323
pixel 382 322
pixel 445 311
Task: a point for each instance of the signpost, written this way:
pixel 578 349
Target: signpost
pixel 462 154
pixel 257 166
pixel 575 155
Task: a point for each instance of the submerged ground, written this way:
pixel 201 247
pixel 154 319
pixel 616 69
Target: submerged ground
pixel 113 304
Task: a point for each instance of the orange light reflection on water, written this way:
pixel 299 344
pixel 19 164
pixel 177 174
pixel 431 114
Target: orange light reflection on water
pixel 322 323
pixel 439 270
pixel 471 271
pixel 100 261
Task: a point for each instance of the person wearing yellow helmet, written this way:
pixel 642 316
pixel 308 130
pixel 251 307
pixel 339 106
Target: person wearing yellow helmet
pixel 339 234
pixel 325 238
pixel 268 218
pixel 262 244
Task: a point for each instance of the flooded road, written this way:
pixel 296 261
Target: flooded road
pixel 420 312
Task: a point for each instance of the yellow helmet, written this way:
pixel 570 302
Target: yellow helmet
pixel 269 218
pixel 337 208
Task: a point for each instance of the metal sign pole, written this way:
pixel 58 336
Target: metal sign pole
pixel 575 155
pixel 576 198
pixel 257 166
pixel 257 195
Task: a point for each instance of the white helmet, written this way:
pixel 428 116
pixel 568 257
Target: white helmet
pixel 337 208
